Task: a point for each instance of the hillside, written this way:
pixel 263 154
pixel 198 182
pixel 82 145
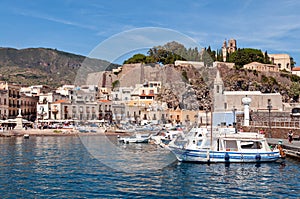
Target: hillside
pixel 50 67
pixel 188 87
pixel 267 82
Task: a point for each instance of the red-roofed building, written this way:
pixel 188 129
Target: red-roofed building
pixel 296 70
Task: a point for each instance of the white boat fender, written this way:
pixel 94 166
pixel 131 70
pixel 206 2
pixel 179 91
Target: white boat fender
pixel 226 157
pixel 207 156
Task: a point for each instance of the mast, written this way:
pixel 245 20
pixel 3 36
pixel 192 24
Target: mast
pixel 211 125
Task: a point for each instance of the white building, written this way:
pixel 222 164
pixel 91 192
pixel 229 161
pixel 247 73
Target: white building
pixel 283 61
pixel 65 89
pixel 296 71
pixel 44 104
pixel 122 94
pixel 229 100
pixel 84 94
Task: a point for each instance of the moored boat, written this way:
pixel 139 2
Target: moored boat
pixel 223 145
pixel 136 138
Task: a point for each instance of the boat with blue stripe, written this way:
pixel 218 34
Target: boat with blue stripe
pixel 222 145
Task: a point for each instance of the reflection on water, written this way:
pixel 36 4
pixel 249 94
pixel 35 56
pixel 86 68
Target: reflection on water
pixel 133 157
pixel 61 167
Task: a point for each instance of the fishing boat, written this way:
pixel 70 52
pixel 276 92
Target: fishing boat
pixel 222 145
pixel 136 138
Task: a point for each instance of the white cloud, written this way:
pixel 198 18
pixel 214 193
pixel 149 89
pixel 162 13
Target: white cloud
pixel 54 19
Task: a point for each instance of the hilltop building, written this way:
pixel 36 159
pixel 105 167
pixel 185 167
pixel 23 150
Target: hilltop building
pixel 296 70
pixel 230 48
pixel 283 61
pixel 262 67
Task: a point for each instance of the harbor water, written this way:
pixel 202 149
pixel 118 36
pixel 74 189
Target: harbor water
pixel 99 167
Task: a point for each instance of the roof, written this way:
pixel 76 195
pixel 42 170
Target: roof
pixel 297 68
pixel 279 55
pixel 259 64
pixel 249 93
pixel 242 93
pixel 104 101
pixel 60 101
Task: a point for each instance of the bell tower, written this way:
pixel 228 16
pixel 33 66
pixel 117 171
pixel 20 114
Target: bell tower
pixel 218 94
pixel 224 50
pixel 231 45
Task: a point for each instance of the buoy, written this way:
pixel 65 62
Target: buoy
pixel 26 136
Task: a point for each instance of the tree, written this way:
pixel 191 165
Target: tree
pixel 292 63
pixel 137 58
pixel 295 91
pixel 266 58
pixel 207 59
pixel 245 56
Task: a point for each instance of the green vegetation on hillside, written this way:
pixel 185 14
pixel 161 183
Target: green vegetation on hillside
pixel 247 55
pixel 166 54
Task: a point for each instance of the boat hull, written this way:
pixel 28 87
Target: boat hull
pixel 134 140
pixel 209 156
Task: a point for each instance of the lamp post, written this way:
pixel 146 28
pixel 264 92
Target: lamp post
pixel 206 113
pixel 234 122
pixel 196 118
pixel 269 107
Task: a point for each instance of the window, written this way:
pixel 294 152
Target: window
pixel 187 117
pixel 230 145
pixel 251 145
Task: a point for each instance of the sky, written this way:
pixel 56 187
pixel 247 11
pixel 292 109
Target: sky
pixel 79 26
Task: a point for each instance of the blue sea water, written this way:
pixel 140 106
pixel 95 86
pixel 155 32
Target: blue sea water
pixel 68 167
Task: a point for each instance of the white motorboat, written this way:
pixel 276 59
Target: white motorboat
pixel 164 137
pixel 136 138
pixel 93 128
pixel 222 145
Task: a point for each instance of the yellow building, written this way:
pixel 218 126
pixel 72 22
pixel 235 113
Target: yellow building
pixel 262 67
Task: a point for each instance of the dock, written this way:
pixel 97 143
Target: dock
pixel 292 150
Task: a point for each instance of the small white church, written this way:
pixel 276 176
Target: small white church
pixel 227 103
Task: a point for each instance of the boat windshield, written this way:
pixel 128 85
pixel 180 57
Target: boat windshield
pixel 251 145
pixel 180 140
